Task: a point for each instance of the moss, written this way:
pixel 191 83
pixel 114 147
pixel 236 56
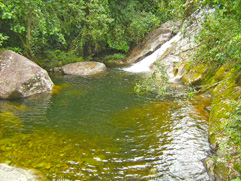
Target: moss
pixel 195 74
pixel 221 171
pixel 225 88
pixel 223 94
pixel 56 89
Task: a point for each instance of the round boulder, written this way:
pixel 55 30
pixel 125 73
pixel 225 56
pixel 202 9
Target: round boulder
pixel 20 77
pixel 84 68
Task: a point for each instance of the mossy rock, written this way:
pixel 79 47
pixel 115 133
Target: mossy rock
pixel 195 74
pixel 224 85
pixel 220 107
pixel 223 94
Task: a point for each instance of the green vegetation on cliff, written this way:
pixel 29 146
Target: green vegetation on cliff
pixel 219 47
pixel 214 66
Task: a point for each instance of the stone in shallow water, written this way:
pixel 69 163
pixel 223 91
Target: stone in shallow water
pixel 8 173
pixel 84 68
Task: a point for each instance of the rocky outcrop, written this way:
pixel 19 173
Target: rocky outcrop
pixel 84 68
pixel 152 41
pixel 20 77
pixel 8 173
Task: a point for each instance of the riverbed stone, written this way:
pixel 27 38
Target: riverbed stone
pixel 84 68
pixel 20 77
pixel 9 173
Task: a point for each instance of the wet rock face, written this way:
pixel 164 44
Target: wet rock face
pixel 152 41
pixel 8 173
pixel 84 68
pixel 20 77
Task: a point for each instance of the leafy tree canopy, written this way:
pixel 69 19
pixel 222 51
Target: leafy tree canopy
pixel 84 27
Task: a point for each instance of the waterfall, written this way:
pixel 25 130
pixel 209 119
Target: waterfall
pixel 144 65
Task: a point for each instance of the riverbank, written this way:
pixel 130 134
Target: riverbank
pixel 223 83
pixel 221 80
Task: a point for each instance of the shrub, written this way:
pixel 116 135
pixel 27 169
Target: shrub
pixel 219 40
pixel 58 58
pixel 116 56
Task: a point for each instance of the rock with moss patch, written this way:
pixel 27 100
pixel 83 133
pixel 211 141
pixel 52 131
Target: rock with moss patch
pixel 20 77
pixel 84 68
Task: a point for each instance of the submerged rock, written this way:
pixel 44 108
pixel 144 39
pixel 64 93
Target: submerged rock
pixel 20 77
pixel 8 173
pixel 84 68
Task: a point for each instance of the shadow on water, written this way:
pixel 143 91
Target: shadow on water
pixel 97 128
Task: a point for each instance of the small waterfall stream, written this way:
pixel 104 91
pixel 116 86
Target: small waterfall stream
pixel 144 65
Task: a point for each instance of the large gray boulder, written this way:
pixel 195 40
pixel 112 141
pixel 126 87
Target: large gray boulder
pixel 20 77
pixel 84 68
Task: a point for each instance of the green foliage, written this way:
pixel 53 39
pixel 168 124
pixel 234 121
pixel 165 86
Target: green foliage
pixel 58 58
pixel 233 129
pixel 116 56
pixel 156 83
pixel 236 179
pixel 132 21
pixel 219 40
pixel 2 39
pixel 92 28
pixel 226 7
pixel 182 9
pixel 32 22
pixel 83 27
pixel 233 126
pixel 15 49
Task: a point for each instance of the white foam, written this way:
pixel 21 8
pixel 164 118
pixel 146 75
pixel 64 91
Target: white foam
pixel 144 65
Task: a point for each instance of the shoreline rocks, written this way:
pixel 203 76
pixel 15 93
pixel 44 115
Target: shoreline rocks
pixel 20 77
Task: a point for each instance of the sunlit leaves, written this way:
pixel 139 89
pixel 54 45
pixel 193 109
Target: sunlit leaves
pixel 83 27
pixel 219 40
pixel 2 38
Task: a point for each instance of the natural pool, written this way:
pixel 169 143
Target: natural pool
pixel 97 128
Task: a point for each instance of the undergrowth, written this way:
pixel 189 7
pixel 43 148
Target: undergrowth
pixel 156 83
pixel 233 129
pixel 116 56
pixel 219 40
pixel 58 58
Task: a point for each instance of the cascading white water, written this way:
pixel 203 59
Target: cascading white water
pixel 144 65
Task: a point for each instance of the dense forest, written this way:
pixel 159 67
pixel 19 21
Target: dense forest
pixel 73 28
pixel 54 29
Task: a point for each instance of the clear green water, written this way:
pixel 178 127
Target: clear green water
pixel 97 128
